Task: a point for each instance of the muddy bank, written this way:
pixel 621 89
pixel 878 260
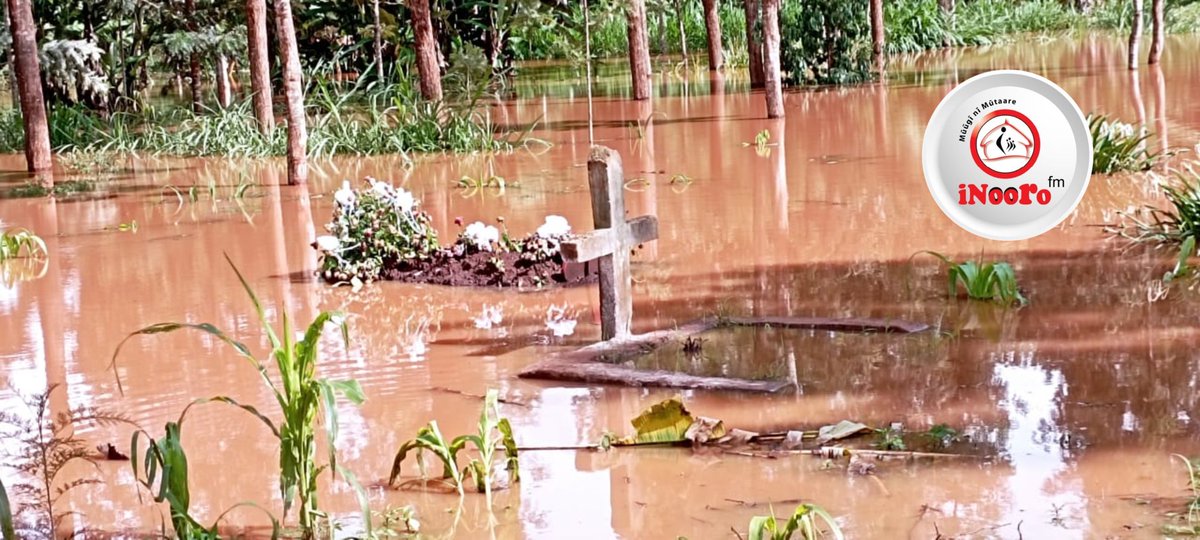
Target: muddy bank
pixel 486 269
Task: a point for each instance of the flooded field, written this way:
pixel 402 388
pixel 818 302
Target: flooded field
pixel 1080 398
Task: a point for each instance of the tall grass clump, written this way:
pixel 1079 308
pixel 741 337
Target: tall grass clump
pixel 916 25
pixel 805 524
pixel 984 22
pixel 17 243
pixel 1177 225
pixel 1118 146
pixel 993 281
pixel 302 397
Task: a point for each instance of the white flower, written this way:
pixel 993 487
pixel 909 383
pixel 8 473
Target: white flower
pixel 554 227
pixel 345 196
pixel 404 201
pixel 327 243
pixel 491 316
pixel 383 190
pixel 558 323
pixel 481 236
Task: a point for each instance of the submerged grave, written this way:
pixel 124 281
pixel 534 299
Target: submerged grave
pixel 380 233
pixel 655 358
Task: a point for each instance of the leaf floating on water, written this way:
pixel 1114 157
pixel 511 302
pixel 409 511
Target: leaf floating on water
pixel 705 429
pixel 840 430
pixel 664 422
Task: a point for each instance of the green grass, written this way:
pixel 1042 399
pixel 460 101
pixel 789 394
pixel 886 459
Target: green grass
pixel 301 396
pixel 1118 146
pixel 993 281
pixel 16 243
pixel 805 523
pixel 1177 225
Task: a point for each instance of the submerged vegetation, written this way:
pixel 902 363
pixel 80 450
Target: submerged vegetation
pixel 1118 146
pixel 46 444
pixel 16 243
pixel 808 520
pixel 301 396
pixel 1177 225
pixel 994 281
pixel 495 432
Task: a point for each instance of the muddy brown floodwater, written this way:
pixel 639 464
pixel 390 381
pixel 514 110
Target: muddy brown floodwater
pixel 1082 397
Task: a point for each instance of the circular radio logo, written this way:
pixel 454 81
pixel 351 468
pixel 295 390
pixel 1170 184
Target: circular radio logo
pixel 1007 155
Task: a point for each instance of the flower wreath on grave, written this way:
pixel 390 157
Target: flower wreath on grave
pixel 379 232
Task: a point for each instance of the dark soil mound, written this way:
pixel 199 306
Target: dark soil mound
pixel 488 269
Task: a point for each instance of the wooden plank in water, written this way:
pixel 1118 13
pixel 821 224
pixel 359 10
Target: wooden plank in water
pixel 605 373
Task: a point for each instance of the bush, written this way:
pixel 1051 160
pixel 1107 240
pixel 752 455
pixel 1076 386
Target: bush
pixel 371 230
pixel 916 25
pixel 825 41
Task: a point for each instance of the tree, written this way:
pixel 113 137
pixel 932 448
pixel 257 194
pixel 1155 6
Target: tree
pixel 712 26
pixel 1135 34
pixel 293 88
pixel 753 45
pixel 260 69
pixel 189 9
pixel 1156 40
pixel 29 84
pixel 377 28
pixel 877 35
pixel 639 48
pixel 772 72
pixel 427 54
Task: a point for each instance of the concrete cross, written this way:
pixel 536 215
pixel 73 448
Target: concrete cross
pixel 611 242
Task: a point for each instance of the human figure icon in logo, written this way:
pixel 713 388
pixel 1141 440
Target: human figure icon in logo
pixel 1005 141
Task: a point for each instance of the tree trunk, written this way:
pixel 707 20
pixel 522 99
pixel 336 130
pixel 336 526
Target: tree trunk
pixel 639 48
pixel 774 84
pixel 224 96
pixel 662 33
pixel 29 85
pixel 12 62
pixel 260 68
pixel 712 26
pixel 378 40
pixel 754 46
pixel 679 14
pixel 293 88
pixel 1157 37
pixel 427 55
pixel 189 8
pixel 1135 34
pixel 877 36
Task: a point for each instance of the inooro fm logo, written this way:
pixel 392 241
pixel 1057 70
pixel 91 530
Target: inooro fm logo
pixel 1005 144
pixel 1007 155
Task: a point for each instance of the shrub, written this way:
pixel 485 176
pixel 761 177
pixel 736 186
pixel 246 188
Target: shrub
pixel 825 41
pixel 373 229
pixel 1118 146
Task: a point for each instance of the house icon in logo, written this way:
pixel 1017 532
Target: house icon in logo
pixel 1006 144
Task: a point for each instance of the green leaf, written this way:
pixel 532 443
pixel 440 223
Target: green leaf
pixel 7 529
pixel 664 422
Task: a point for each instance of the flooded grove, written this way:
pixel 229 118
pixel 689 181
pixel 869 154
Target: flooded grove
pixel 1081 397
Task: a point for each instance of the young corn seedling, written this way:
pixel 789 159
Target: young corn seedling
pixel 163 471
pixel 495 432
pixel 301 396
pixel 806 520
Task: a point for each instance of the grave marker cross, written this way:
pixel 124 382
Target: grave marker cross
pixel 611 242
